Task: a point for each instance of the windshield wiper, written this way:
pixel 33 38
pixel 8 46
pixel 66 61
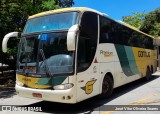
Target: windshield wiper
pixel 45 62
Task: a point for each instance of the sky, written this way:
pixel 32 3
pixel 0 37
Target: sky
pixel 116 9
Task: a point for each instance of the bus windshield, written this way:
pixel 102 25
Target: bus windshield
pixel 27 56
pixel 52 52
pixel 44 49
pixel 59 21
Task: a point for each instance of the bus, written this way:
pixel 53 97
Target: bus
pixel 72 54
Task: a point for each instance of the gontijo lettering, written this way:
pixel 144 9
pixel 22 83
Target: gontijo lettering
pixel 143 54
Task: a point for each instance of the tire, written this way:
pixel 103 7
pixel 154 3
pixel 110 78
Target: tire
pixel 148 74
pixel 107 87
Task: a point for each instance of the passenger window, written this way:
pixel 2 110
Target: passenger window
pixel 106 31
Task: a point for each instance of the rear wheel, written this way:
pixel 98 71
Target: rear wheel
pixel 107 87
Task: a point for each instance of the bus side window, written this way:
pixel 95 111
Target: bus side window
pixel 87 42
pixel 106 31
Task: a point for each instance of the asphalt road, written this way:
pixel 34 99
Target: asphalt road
pixel 138 93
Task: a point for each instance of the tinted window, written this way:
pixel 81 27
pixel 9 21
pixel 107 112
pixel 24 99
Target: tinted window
pixel 106 30
pixel 89 26
pixel 113 32
pixel 87 42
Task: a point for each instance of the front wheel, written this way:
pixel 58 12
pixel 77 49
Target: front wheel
pixel 107 87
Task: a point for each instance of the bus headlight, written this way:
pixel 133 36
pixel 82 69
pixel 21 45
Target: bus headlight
pixel 19 83
pixel 63 87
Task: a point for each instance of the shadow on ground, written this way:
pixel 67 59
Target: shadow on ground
pixel 90 105
pixel 7 92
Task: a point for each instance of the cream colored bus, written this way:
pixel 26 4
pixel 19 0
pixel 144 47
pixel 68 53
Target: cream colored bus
pixel 72 54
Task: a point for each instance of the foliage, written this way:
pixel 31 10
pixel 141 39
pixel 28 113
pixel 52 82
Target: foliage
pixel 151 23
pixel 64 3
pixel 48 5
pixel 148 23
pixel 135 20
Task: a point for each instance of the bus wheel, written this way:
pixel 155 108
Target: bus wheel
pixel 148 74
pixel 107 87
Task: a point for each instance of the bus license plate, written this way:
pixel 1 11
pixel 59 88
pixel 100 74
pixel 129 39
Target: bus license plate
pixel 37 95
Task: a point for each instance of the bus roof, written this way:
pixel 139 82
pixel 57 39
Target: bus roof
pixel 82 9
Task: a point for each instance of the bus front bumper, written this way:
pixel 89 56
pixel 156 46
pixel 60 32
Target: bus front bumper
pixel 62 96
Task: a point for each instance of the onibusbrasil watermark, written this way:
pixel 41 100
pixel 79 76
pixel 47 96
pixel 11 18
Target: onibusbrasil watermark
pixel 20 108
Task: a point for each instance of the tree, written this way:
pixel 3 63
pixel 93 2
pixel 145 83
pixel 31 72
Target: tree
pixel 151 23
pixel 135 20
pixel 64 3
pixel 148 23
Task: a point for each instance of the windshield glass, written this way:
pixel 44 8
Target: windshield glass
pixel 27 56
pixel 59 21
pixel 46 52
pixel 58 58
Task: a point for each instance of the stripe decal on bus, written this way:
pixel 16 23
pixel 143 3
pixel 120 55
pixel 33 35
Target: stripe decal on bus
pixel 131 59
pixel 51 81
pixel 127 60
pixel 34 82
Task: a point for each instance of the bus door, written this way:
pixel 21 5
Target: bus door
pixel 87 65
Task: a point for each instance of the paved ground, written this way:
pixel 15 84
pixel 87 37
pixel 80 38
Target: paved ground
pixel 136 93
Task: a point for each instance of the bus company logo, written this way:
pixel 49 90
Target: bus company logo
pixel 88 88
pixel 106 53
pixel 143 54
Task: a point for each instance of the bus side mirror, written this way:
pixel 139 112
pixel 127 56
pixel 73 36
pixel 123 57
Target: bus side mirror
pixel 6 38
pixel 71 37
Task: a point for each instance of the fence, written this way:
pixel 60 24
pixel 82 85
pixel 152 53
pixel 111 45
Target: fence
pixel 7 75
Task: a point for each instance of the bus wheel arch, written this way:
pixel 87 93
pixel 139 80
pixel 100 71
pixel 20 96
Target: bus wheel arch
pixel 107 85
